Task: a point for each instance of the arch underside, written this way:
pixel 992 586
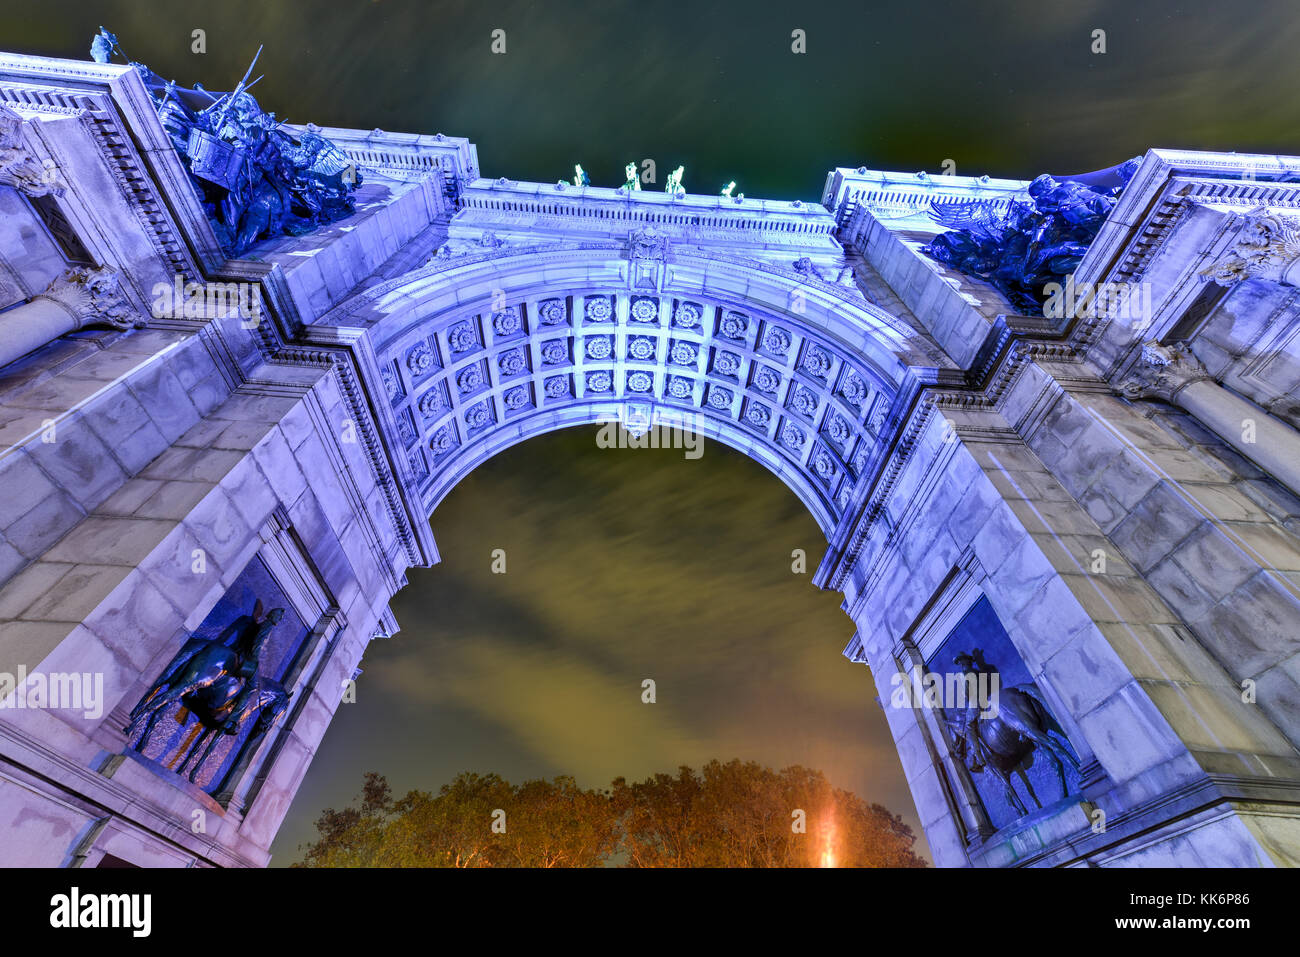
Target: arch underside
pixel 466 380
pixel 665 422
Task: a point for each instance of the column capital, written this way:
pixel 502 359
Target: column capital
pixel 93 297
pixel 1267 246
pixel 1162 372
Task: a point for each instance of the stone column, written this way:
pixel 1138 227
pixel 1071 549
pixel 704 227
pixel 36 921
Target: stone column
pixel 80 297
pixel 1172 373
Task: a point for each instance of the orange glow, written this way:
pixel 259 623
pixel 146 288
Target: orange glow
pixel 828 843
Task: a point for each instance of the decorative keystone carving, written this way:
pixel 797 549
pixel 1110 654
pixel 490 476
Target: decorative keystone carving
pixel 648 243
pixel 93 297
pixel 1163 372
pixel 18 168
pixel 647 251
pixel 1267 247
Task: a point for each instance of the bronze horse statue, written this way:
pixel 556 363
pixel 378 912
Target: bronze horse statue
pixel 207 674
pixel 264 697
pixel 1007 742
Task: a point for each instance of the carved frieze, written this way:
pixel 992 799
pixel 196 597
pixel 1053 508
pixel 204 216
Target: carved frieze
pixel 18 167
pixel 1267 246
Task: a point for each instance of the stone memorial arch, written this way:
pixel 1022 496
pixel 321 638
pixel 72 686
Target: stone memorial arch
pixel 481 350
pixel 229 463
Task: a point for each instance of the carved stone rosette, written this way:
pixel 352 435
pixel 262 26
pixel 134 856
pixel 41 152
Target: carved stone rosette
pixel 1163 372
pixel 1266 247
pixel 93 297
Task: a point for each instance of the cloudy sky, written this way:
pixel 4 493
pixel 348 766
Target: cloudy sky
pixel 1005 87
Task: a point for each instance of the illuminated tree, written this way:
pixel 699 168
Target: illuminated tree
pixel 738 814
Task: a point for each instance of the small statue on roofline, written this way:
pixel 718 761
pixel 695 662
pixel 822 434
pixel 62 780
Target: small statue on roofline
pixel 255 180
pixel 674 185
pixel 580 177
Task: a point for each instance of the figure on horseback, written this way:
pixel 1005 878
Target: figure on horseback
pixel 264 697
pixel 1007 740
pixel 207 674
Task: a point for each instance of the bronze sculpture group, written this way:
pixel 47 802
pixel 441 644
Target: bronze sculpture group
pixel 254 179
pixel 1022 248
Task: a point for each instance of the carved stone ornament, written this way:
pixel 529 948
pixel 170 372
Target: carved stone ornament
pixel 1163 372
pixel 18 168
pixel 1267 247
pixel 93 297
pixel 804 266
pixel 488 242
pixel 648 243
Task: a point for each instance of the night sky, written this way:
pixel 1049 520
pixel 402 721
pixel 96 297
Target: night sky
pixel 634 564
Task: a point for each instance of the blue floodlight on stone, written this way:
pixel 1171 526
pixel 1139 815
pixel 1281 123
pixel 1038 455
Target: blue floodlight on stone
pixel 255 181
pixel 1064 552
pixel 1020 249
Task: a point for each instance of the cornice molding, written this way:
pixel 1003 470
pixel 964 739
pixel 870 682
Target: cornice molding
pixel 120 122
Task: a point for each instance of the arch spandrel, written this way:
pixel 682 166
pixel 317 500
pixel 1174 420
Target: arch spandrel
pixel 469 281
pixel 481 350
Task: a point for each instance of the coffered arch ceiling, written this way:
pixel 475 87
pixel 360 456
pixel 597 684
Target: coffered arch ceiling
pixel 478 352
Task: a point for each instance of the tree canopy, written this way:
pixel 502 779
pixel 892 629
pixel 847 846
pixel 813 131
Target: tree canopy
pixel 737 814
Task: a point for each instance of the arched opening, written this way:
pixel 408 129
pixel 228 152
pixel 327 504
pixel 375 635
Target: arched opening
pixel 572 573
pixel 480 351
pixel 483 349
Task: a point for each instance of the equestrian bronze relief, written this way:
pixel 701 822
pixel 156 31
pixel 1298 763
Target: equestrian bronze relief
pixel 1001 732
pixel 221 682
pixel 1010 737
